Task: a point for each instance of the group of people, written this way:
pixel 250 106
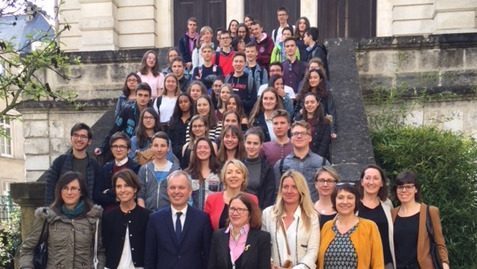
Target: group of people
pixel 222 160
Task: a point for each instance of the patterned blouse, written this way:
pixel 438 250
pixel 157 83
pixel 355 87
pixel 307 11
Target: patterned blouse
pixel 341 253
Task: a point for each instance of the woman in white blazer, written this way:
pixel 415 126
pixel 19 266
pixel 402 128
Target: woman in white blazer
pixel 293 224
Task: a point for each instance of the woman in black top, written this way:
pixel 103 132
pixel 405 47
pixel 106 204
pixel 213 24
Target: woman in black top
pixel 376 206
pixel 261 181
pixel 313 113
pixel 124 228
pixel 179 122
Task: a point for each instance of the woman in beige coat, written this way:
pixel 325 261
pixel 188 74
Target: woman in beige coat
pixel 73 224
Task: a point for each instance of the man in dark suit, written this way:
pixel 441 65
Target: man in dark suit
pixel 178 237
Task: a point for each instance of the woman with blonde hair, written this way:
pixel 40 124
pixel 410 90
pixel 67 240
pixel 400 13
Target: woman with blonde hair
pixel 293 224
pixel 234 177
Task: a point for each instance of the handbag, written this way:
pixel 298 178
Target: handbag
pixel 436 259
pixel 40 252
pixel 143 157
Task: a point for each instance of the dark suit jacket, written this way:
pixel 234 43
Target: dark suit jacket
pixel 256 256
pixel 163 250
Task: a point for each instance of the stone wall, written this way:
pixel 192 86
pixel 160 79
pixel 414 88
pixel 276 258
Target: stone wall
pixel 413 17
pixel 441 67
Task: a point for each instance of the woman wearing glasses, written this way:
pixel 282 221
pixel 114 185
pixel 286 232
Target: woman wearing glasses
pixel 234 177
pixel 325 182
pixel 349 241
pixel 376 206
pixel 242 244
pixel 72 223
pixel 411 238
pixel 293 224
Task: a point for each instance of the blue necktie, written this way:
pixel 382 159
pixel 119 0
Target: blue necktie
pixel 178 225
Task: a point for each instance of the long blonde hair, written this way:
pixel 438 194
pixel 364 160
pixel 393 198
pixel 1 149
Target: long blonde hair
pixel 306 204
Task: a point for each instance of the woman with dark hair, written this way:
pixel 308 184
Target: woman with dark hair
pixel 349 241
pixel 203 106
pixel 261 114
pixel 234 103
pixel 224 95
pixel 129 92
pixel 124 228
pixel 261 181
pixel 314 82
pixel 233 118
pixel 231 144
pixel 178 124
pixel 242 244
pixel 233 28
pixel 248 20
pixel 234 177
pixel 198 127
pixel 326 179
pixel 302 24
pixel 73 225
pixel 287 95
pixel 243 35
pixel 411 237
pixel 147 127
pixel 376 206
pixel 313 113
pixel 149 73
pixel 165 103
pixel 196 89
pixel 204 169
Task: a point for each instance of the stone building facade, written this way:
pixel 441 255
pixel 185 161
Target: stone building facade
pixel 111 35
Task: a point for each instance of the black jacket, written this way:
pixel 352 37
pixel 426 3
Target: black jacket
pixel 103 189
pixel 256 254
pixel 114 230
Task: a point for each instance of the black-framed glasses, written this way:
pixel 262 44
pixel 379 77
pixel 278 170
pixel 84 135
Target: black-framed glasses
pixel 405 187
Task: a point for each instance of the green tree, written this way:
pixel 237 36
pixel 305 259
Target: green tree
pixel 447 171
pixel 23 74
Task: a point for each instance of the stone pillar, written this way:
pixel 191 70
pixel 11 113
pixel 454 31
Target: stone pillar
pixel 309 9
pixel 384 18
pixel 235 9
pixel 28 196
pixel 70 14
pixel 98 25
pixel 137 25
pixel 165 22
pixel 37 143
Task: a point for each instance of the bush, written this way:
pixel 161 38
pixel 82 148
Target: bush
pixel 446 165
pixel 9 239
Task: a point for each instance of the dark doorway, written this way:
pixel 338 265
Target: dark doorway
pixel 207 12
pixel 347 18
pixel 265 11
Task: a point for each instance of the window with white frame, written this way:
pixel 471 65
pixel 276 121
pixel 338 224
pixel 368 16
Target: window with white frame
pixel 5 137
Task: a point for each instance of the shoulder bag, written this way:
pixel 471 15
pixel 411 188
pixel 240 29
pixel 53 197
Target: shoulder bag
pixel 40 252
